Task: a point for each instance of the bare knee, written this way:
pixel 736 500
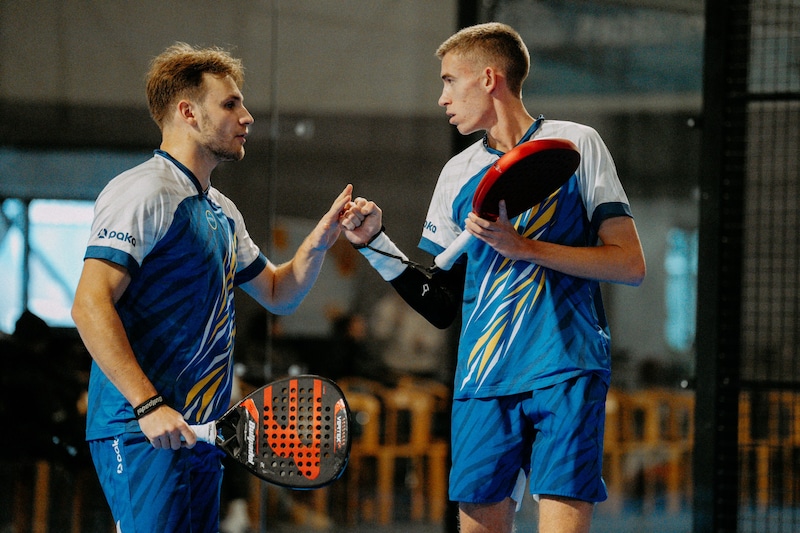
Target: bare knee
pixel 487 517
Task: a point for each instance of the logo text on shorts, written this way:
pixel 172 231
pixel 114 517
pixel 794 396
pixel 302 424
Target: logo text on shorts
pixel 115 446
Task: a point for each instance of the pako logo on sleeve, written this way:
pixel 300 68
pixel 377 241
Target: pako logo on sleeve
pixel 117 235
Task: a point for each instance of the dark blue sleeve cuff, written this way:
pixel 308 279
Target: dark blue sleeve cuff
pixel 113 255
pixel 250 271
pixel 609 210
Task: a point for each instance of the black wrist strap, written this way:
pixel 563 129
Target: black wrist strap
pixel 148 406
pixel 366 244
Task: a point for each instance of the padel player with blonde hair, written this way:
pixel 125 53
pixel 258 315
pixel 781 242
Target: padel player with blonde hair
pixel 533 358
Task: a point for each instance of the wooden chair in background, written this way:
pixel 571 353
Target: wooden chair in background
pixel 438 448
pixel 365 411
pixel 769 441
pixel 405 422
pixel 674 435
pixel 649 438
pixel 408 414
pixel 614 450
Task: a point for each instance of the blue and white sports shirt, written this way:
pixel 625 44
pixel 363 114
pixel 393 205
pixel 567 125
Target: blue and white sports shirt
pixel 524 326
pixel 185 251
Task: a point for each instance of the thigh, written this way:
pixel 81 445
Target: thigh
pixel 491 445
pixel 206 472
pixel 158 490
pixel 565 515
pixel 567 455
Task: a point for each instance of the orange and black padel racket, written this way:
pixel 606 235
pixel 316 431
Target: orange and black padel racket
pixel 523 177
pixel 294 432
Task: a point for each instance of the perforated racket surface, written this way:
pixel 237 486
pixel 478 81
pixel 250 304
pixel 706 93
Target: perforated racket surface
pixel 294 432
pixel 523 177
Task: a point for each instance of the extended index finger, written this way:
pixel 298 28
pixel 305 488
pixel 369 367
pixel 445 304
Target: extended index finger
pixel 502 211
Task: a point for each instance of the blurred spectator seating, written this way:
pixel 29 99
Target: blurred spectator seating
pixel 406 415
pixel 649 438
pixel 769 446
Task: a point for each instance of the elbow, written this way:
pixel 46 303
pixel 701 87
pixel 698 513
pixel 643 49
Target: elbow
pixel 637 273
pixel 285 307
pixel 78 312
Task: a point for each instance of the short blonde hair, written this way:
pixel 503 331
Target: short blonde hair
pixel 178 72
pixel 492 44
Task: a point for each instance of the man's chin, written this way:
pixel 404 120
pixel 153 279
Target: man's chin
pixel 223 157
pixel 465 130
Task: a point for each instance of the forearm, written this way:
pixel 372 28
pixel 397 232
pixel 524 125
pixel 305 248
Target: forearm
pixel 436 295
pixel 281 289
pixel 104 337
pixel 437 298
pixel 609 263
pixel 293 280
pixel 618 258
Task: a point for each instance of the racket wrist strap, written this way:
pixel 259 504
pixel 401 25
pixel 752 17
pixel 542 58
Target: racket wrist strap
pixel 371 239
pixel 148 406
pixel 384 256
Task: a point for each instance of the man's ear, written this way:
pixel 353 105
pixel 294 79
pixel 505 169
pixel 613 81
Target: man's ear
pixel 187 110
pixel 489 79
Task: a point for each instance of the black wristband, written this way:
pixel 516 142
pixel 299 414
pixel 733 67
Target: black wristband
pixel 366 244
pixel 148 406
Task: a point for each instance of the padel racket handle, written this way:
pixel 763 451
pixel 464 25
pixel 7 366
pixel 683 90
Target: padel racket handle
pixel 206 432
pixel 446 259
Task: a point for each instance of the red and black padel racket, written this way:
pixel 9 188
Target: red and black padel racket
pixel 294 432
pixel 524 177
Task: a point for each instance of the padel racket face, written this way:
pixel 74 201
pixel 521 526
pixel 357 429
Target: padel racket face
pixel 294 432
pixel 525 176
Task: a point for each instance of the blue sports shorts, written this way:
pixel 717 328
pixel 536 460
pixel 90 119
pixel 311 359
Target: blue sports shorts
pixel 152 489
pixel 558 430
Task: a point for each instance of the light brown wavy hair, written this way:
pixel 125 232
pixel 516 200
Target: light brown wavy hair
pixel 178 73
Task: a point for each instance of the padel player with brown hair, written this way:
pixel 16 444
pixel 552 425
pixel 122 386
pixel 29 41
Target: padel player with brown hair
pixel 533 359
pixel 154 303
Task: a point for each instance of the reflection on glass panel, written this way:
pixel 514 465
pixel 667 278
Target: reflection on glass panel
pixel 680 265
pixel 599 48
pixel 58 231
pixel 12 249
